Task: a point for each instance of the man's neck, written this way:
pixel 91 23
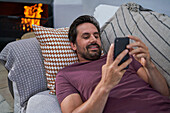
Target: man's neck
pixel 82 60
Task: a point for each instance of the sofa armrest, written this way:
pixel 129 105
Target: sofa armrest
pixel 10 86
pixel 28 35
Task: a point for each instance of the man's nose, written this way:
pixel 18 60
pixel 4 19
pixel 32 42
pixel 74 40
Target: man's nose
pixel 93 39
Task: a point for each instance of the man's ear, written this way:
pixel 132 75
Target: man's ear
pixel 73 46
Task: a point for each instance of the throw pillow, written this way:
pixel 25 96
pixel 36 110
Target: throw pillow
pixel 151 27
pixel 56 50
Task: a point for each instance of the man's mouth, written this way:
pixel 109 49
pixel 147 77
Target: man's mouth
pixel 93 47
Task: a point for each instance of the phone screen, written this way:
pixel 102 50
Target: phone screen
pixel 120 45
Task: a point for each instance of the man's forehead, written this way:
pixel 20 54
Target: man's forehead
pixel 86 28
pixel 87 33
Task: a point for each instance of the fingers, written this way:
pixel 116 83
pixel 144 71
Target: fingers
pixel 141 47
pixel 141 52
pixel 110 54
pixel 137 51
pixel 138 43
pixel 120 57
pixel 115 63
pixel 133 38
pixel 125 64
pixel 143 61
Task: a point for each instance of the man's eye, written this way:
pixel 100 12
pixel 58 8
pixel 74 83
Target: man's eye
pixel 86 37
pixel 97 36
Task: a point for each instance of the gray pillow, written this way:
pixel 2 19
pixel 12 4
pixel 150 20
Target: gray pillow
pixel 151 27
pixel 25 64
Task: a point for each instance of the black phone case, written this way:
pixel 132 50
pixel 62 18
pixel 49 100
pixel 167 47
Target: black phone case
pixel 120 45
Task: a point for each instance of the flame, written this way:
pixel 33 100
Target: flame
pixel 31 12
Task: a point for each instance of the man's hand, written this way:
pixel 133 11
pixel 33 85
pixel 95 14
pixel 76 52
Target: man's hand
pixel 155 78
pixel 111 72
pixel 141 53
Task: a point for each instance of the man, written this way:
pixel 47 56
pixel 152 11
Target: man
pixel 97 84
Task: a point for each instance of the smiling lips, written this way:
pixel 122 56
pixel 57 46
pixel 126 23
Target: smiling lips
pixel 93 47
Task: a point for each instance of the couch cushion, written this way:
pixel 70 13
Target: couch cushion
pixel 43 103
pixel 151 27
pixel 101 15
pixel 25 64
pixel 56 50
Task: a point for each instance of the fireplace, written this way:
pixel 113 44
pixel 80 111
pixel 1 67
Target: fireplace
pixel 14 22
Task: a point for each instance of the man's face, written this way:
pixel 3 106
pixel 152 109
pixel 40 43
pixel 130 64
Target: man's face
pixel 88 45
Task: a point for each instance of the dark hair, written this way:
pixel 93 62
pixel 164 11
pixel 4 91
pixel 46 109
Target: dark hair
pixel 80 20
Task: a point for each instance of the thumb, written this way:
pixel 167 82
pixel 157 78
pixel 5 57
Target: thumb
pixel 143 61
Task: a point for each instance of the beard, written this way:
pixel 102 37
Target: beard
pixel 90 54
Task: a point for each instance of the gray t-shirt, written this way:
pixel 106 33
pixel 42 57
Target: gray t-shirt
pixel 131 95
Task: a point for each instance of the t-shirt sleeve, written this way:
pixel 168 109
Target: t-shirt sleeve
pixel 136 65
pixel 63 87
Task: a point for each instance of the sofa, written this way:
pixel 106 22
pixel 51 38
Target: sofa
pixel 33 62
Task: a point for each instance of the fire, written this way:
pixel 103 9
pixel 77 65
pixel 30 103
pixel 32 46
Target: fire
pixel 32 14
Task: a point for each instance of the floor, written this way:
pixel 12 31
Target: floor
pixel 6 99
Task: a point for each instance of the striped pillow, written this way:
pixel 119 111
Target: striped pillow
pixel 151 27
pixel 56 50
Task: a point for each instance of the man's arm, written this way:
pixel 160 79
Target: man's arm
pixel 95 104
pixel 149 73
pixel 111 75
pixel 155 79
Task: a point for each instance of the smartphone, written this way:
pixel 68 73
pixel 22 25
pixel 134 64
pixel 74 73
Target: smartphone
pixel 120 45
